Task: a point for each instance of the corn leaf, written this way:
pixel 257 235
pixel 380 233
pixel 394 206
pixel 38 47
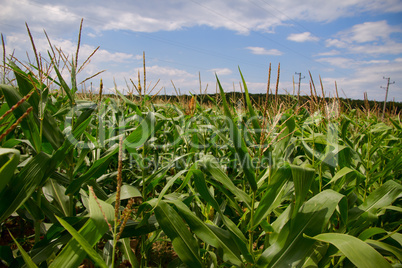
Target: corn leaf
pixel 357 251
pixel 24 184
pixel 183 242
pixel 290 246
pixel 382 246
pixel 238 142
pixel 230 253
pixel 84 244
pixel 9 159
pixel 254 119
pixel 219 175
pixel 64 86
pixel 128 252
pixel 272 196
pixel 93 230
pixel 236 233
pixel 51 129
pixel 127 191
pixel 96 170
pixel 141 134
pixel 30 123
pixel 383 196
pixel 302 176
pixel 25 256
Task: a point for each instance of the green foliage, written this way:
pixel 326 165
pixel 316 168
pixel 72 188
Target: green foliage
pixel 224 186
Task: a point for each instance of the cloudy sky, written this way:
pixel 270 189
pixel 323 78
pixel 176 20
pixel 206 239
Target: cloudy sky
pixel 353 42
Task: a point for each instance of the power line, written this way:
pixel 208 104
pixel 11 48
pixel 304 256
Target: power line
pixel 298 90
pixel 386 94
pixel 160 39
pixel 273 14
pixel 289 18
pixel 209 52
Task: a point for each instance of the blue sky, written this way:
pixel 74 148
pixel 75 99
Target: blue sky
pixel 355 43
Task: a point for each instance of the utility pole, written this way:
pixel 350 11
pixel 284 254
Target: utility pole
pixel 386 94
pixel 298 90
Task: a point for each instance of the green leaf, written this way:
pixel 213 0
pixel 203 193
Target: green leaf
pixel 98 210
pixel 64 86
pixel 357 251
pixel 86 109
pixel 55 237
pixel 316 255
pixel 366 234
pixel 236 233
pixel 183 242
pixel 280 151
pixel 341 173
pixel 30 123
pixel 273 195
pixel 136 229
pixel 220 176
pixel 254 119
pixel 302 176
pixel 126 248
pixel 33 209
pixel 127 191
pixel 96 170
pixel 84 243
pixel 290 247
pixel 6 255
pixel 141 134
pixel 169 184
pixel 238 142
pixel 72 254
pixel 397 237
pixel 130 103
pixel 56 192
pixel 93 230
pixel 9 159
pixel 24 184
pixel 207 234
pixel 383 196
pixel 51 130
pixel 24 254
pixel 397 252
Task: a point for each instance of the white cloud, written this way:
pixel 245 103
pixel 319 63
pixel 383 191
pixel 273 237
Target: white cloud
pixel 156 70
pixel 264 51
pixel 329 53
pixel 150 16
pixel 340 62
pixel 368 38
pixel 348 63
pixel 61 20
pixel 367 77
pixel 221 71
pixel 92 35
pixel 335 43
pixel 376 62
pixel 368 32
pixel 302 37
pixel 390 48
pixel 21 43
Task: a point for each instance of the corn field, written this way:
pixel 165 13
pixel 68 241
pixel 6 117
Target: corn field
pixel 89 180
